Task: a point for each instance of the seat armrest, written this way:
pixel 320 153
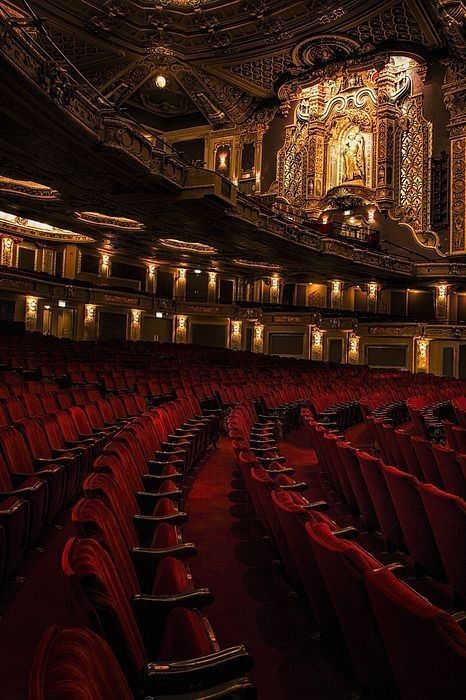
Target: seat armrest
pixel 346 533
pixel 146 559
pixel 152 481
pixel 78 451
pixel 240 688
pixel 17 479
pixel 60 461
pixel 158 465
pixel 146 524
pixel 148 500
pixel 148 607
pixel 205 671
pixel 297 486
pixel 317 505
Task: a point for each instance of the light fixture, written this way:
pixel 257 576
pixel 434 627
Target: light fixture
pixel 161 81
pixel 347 212
pixel 158 314
pixel 61 303
pixel 47 306
pixel 197 272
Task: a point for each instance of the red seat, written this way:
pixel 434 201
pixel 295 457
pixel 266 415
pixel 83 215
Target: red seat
pixel 426 647
pixel 372 469
pixel 185 648
pixel 409 453
pixel 76 664
pixel 450 470
pixel 349 459
pixel 447 517
pixel 417 532
pixel 19 461
pixel 423 449
pixel 142 570
pixel 343 565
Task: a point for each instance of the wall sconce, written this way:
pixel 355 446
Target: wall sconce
pixel 336 294
pixel 235 335
pixel 181 273
pixel 258 340
pixel 31 313
pixel 275 290
pixel 181 329
pixel 325 219
pixel 317 344
pixel 6 253
pixel 105 265
pixel 152 267
pixel 371 214
pixel 212 278
pixel 372 293
pixel 136 316
pixel 441 300
pixel 158 314
pixel 422 355
pixel 89 314
pixel 353 348
pixel 197 272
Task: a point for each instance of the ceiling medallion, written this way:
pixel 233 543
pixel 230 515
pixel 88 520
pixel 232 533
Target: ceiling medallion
pixel 96 219
pixel 254 263
pixel 189 246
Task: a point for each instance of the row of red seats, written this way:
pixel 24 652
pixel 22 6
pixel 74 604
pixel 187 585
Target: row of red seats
pixel 129 562
pixel 389 629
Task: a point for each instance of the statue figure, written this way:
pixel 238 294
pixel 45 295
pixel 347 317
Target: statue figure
pixel 354 156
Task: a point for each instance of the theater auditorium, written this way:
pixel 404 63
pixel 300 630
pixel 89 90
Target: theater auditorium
pixel 232 350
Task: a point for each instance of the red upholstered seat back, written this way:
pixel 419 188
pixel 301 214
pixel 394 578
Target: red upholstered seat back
pixel 426 647
pixel 92 518
pixel 14 449
pixel 103 486
pixel 349 458
pixel 76 664
pixel 343 565
pixel 447 517
pixel 450 470
pixel 91 567
pixel 413 520
pixel 423 449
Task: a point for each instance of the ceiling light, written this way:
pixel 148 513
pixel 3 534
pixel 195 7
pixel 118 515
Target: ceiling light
pixel 197 272
pixel 61 303
pixel 158 314
pixel 160 81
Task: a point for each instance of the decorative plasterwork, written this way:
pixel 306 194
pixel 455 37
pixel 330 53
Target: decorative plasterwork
pixel 96 219
pixel 27 188
pixel 36 229
pixel 190 247
pixel 255 264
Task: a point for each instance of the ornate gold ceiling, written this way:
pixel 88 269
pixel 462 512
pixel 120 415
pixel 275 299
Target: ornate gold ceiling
pixel 224 62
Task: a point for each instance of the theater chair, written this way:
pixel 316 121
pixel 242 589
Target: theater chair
pixel 425 645
pixel 450 470
pixel 31 489
pixel 426 458
pixel 417 532
pixel 15 533
pixel 185 652
pixel 447 517
pixel 146 491
pixel 73 664
pixel 19 462
pixel 136 527
pixel 350 462
pixel 372 470
pixel 293 512
pixel 406 447
pixel 334 456
pixel 133 447
pixel 167 578
pixel 343 565
pixel 460 438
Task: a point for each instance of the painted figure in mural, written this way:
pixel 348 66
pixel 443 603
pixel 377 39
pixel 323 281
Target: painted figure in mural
pixel 354 156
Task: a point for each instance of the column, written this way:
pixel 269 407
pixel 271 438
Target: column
pixel 212 286
pixel 258 338
pixel 275 290
pixel 7 251
pixel 70 261
pixel 105 265
pixel 180 283
pixel 455 97
pixel 421 354
pixel 90 322
pixel 372 295
pixel 135 328
pixel 442 302
pixel 387 120
pixel 236 328
pixel 181 329
pixel 151 277
pixel 336 294
pixel 353 348
pixel 317 344
pixel 31 313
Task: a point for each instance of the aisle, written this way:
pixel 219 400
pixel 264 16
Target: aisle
pixel 252 602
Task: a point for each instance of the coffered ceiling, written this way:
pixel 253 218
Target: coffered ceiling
pixel 224 61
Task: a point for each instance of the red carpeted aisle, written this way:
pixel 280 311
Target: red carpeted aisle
pixel 253 604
